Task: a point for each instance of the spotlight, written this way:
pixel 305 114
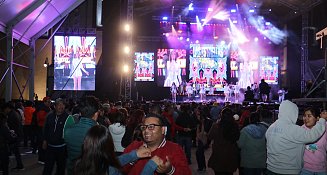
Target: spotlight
pixel 181 38
pixel 127 27
pixel 234 21
pixel 233 10
pixel 187 39
pixel 256 39
pixel 190 7
pixel 267 23
pixel 127 49
pixel 46 62
pixel 165 18
pixel 125 68
pixel 251 10
pixel 210 9
pixel 197 41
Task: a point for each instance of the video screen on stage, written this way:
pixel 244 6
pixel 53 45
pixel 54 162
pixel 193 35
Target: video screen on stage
pixel 74 62
pixel 171 65
pixel 269 69
pixel 208 65
pixel 144 66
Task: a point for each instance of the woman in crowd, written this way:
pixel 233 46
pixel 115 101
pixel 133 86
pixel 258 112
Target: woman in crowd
pixel 132 132
pixel 315 153
pixel 201 137
pixel 98 155
pixel 252 143
pixel 224 159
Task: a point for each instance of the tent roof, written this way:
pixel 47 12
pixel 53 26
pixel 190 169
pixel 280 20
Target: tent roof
pixel 30 19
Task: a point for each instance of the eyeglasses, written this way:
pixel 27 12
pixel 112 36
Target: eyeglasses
pixel 150 127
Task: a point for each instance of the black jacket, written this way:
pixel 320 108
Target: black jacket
pixel 185 120
pixel 14 123
pixel 6 137
pixel 53 128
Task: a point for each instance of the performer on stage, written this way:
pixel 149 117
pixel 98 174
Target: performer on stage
pixel 236 92
pixel 202 92
pixel 226 92
pixel 189 90
pixel 173 91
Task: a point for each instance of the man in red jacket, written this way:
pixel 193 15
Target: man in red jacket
pixel 172 155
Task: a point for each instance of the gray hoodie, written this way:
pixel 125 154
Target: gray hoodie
pixel 117 132
pixel 286 140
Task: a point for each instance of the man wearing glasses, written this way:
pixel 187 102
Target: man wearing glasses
pixel 173 158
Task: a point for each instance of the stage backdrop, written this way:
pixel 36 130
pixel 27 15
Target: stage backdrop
pixel 171 65
pixel 74 62
pixel 208 65
pixel 144 66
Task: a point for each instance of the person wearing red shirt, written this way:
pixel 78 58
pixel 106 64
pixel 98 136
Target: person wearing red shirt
pixel 168 114
pixel 173 158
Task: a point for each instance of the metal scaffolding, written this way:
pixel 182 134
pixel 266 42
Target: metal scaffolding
pixel 304 49
pixel 129 40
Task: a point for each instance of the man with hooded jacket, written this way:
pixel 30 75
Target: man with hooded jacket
pixel 286 140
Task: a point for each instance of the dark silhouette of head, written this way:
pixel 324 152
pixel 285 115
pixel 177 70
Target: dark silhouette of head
pixel 97 153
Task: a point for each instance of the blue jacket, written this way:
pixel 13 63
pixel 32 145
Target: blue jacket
pixel 124 159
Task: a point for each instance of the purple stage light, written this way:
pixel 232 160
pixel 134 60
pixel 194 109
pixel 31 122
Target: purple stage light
pixel 251 11
pixel 165 18
pixel 233 10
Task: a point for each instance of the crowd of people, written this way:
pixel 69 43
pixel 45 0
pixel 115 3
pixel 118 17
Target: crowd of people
pixel 100 137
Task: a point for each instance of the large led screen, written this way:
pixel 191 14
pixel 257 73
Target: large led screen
pixel 208 65
pixel 74 62
pixel 269 69
pixel 143 66
pixel 171 64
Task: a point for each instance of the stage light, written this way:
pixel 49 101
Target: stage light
pixel 197 41
pixel 165 18
pixel 270 10
pixel 46 62
pixel 256 39
pixel 210 9
pixel 233 10
pixel 215 37
pixel 222 42
pixel 127 49
pixel 179 31
pixel 127 27
pixel 251 11
pixel 187 39
pixel 125 68
pixel 234 21
pixel 167 34
pixel 181 38
pixel 267 23
pixel 190 7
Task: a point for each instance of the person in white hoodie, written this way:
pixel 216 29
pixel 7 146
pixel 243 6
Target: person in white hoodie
pixel 286 140
pixel 117 130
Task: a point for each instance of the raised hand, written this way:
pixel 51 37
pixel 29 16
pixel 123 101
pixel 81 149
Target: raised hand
pixel 143 152
pixel 165 167
pixel 157 160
